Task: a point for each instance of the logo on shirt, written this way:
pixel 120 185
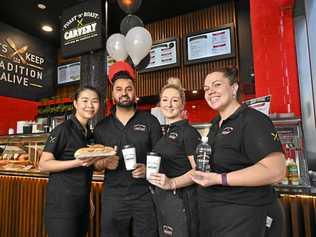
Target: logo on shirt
pixel 139 127
pixel 275 136
pixel 173 135
pixel 52 139
pixel 227 130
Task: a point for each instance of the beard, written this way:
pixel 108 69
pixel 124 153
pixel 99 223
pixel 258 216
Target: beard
pixel 125 102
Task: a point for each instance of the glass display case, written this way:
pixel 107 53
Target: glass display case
pixel 21 152
pixel 291 137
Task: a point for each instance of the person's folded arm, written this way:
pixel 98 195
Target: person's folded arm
pixel 269 170
pixel 48 163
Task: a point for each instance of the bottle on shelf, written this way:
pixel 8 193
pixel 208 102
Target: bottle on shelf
pixel 292 171
pixel 203 155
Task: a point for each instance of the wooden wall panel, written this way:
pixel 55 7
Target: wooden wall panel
pixel 192 76
pixel 22 207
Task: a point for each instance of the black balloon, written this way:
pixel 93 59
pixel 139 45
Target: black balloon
pixel 129 6
pixel 129 22
pixel 142 64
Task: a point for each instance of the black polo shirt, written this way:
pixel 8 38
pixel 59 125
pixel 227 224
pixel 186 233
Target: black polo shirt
pixel 175 146
pixel 68 190
pixel 243 139
pixel 143 131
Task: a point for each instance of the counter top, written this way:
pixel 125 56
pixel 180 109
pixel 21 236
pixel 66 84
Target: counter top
pixel 37 174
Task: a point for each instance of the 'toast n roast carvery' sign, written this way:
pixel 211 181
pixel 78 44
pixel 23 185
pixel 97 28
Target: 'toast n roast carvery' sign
pixel 27 65
pixel 81 29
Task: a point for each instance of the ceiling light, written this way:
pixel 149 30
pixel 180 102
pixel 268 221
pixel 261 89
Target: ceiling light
pixel 41 6
pixel 47 28
pixel 193 106
pixel 194 92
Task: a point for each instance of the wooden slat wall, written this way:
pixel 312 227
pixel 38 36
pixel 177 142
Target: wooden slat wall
pixel 192 76
pixel 22 207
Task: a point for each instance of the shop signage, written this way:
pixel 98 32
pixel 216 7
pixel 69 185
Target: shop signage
pixel 27 65
pixel 81 29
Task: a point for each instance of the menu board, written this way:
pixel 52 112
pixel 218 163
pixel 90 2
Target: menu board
pixel 163 54
pixel 210 45
pixel 68 73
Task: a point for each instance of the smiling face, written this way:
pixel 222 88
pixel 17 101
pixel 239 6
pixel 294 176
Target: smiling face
pixel 87 105
pixel 171 104
pixel 219 93
pixel 123 93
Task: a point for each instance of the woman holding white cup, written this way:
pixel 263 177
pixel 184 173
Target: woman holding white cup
pixel 174 191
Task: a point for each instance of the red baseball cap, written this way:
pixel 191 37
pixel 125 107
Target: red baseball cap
pixel 121 67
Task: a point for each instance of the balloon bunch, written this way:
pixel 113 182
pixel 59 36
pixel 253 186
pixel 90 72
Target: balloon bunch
pixel 136 43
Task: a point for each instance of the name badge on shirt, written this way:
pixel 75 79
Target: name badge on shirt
pixel 173 135
pixel 227 130
pixel 139 127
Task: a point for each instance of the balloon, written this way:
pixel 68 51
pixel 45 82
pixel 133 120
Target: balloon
pixel 115 45
pixel 138 43
pixel 129 6
pixel 142 64
pixel 129 22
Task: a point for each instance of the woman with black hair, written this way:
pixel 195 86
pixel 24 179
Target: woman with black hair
pixel 69 182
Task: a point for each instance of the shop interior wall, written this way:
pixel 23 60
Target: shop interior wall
pixel 275 66
pixel 14 110
pixel 192 76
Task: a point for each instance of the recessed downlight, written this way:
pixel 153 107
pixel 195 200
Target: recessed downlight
pixel 194 92
pixel 47 28
pixel 41 6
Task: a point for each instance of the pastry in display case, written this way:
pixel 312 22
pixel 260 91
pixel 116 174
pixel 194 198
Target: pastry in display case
pixel 21 152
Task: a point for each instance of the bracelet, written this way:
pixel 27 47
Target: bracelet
pixel 224 179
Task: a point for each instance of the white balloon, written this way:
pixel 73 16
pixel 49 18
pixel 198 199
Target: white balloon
pixel 138 43
pixel 115 45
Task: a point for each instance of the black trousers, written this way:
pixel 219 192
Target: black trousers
pixel 277 220
pixel 177 212
pixel 231 220
pixel 67 227
pixel 126 218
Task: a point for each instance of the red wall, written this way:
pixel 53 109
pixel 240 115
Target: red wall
pixel 274 54
pixel 13 110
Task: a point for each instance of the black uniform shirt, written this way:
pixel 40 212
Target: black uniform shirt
pixel 143 131
pixel 175 146
pixel 243 139
pixel 68 190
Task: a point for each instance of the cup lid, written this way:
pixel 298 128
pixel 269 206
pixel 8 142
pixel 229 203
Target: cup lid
pixel 128 146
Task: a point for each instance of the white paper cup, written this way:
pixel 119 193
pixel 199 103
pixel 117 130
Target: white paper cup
pixel 129 155
pixel 153 164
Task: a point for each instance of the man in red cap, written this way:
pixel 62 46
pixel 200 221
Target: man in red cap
pixel 127 203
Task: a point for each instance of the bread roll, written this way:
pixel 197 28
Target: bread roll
pixel 96 150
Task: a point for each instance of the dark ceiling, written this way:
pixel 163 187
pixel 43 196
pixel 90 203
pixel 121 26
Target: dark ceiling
pixel 26 16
